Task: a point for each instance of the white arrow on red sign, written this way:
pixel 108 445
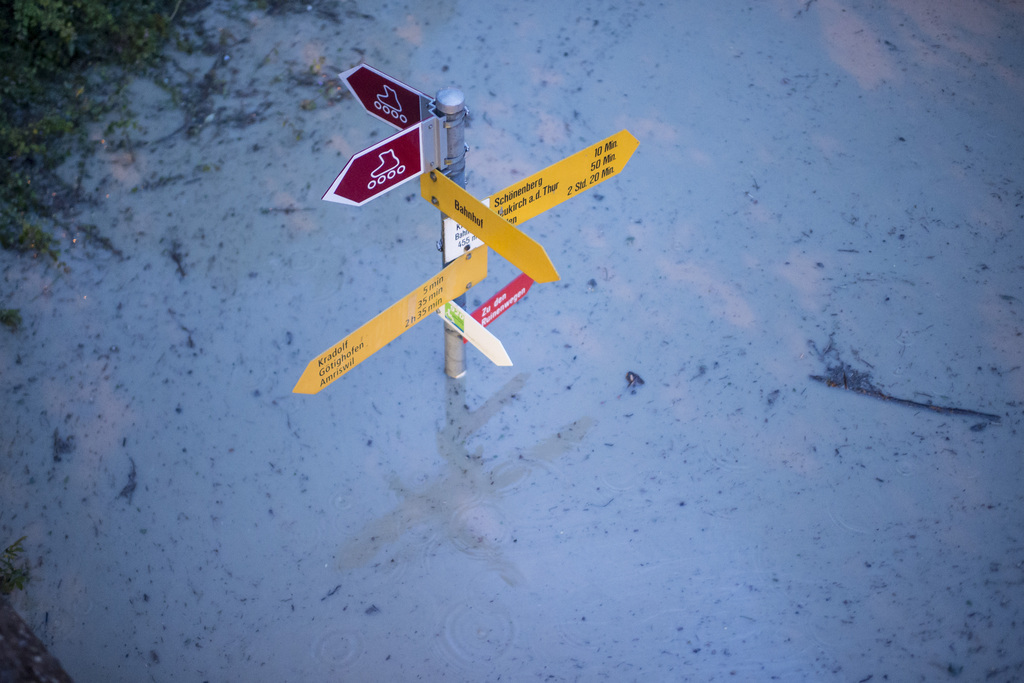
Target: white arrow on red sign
pixel 386 98
pixel 386 165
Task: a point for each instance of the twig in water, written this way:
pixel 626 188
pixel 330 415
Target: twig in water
pixel 177 257
pixel 853 380
pixel 129 489
pixel 841 374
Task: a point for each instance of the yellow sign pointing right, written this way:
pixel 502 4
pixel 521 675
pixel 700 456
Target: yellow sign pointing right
pixel 497 233
pixel 567 178
pixel 451 282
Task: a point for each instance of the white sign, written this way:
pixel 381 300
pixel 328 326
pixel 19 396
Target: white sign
pixel 474 333
pixel 458 240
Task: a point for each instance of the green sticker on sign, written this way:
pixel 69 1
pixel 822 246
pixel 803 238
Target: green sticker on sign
pixel 452 314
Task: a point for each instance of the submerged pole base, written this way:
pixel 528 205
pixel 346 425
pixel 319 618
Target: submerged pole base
pixel 454 353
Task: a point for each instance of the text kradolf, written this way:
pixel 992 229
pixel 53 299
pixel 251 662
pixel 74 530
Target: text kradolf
pixel 336 361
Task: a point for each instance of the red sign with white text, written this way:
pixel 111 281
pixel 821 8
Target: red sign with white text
pixel 499 303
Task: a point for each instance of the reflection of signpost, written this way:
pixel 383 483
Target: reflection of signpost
pixel 386 98
pixel 453 281
pixel 386 165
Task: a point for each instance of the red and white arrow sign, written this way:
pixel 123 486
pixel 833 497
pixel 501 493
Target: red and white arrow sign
pixel 387 98
pixel 509 295
pixel 386 165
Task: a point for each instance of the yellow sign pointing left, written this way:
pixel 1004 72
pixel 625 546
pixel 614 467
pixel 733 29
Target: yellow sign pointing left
pixel 389 324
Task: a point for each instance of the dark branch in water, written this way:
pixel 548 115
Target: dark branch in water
pixel 842 375
pixel 177 257
pixel 129 489
pixel 855 384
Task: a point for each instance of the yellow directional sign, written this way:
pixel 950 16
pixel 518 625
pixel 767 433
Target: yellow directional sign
pixel 567 178
pixel 453 281
pixel 495 231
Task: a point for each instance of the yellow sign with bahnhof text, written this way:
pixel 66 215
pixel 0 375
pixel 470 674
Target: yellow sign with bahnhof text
pixel 453 281
pixel 497 233
pixel 563 180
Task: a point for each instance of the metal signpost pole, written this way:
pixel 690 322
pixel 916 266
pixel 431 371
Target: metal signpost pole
pixel 451 103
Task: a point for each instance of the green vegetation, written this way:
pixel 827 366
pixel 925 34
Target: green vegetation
pixel 11 317
pixel 65 64
pixel 12 576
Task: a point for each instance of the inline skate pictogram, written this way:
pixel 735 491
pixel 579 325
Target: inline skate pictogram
pixel 389 168
pixel 388 103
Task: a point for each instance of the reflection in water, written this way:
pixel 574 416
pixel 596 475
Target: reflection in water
pixel 464 506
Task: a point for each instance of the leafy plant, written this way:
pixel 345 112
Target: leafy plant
pixel 11 317
pixel 64 62
pixel 12 576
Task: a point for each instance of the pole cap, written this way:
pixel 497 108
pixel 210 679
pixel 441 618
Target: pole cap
pixel 450 101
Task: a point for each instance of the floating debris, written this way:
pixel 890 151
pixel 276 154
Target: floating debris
pixel 62 447
pixel 129 489
pixel 841 374
pixel 633 379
